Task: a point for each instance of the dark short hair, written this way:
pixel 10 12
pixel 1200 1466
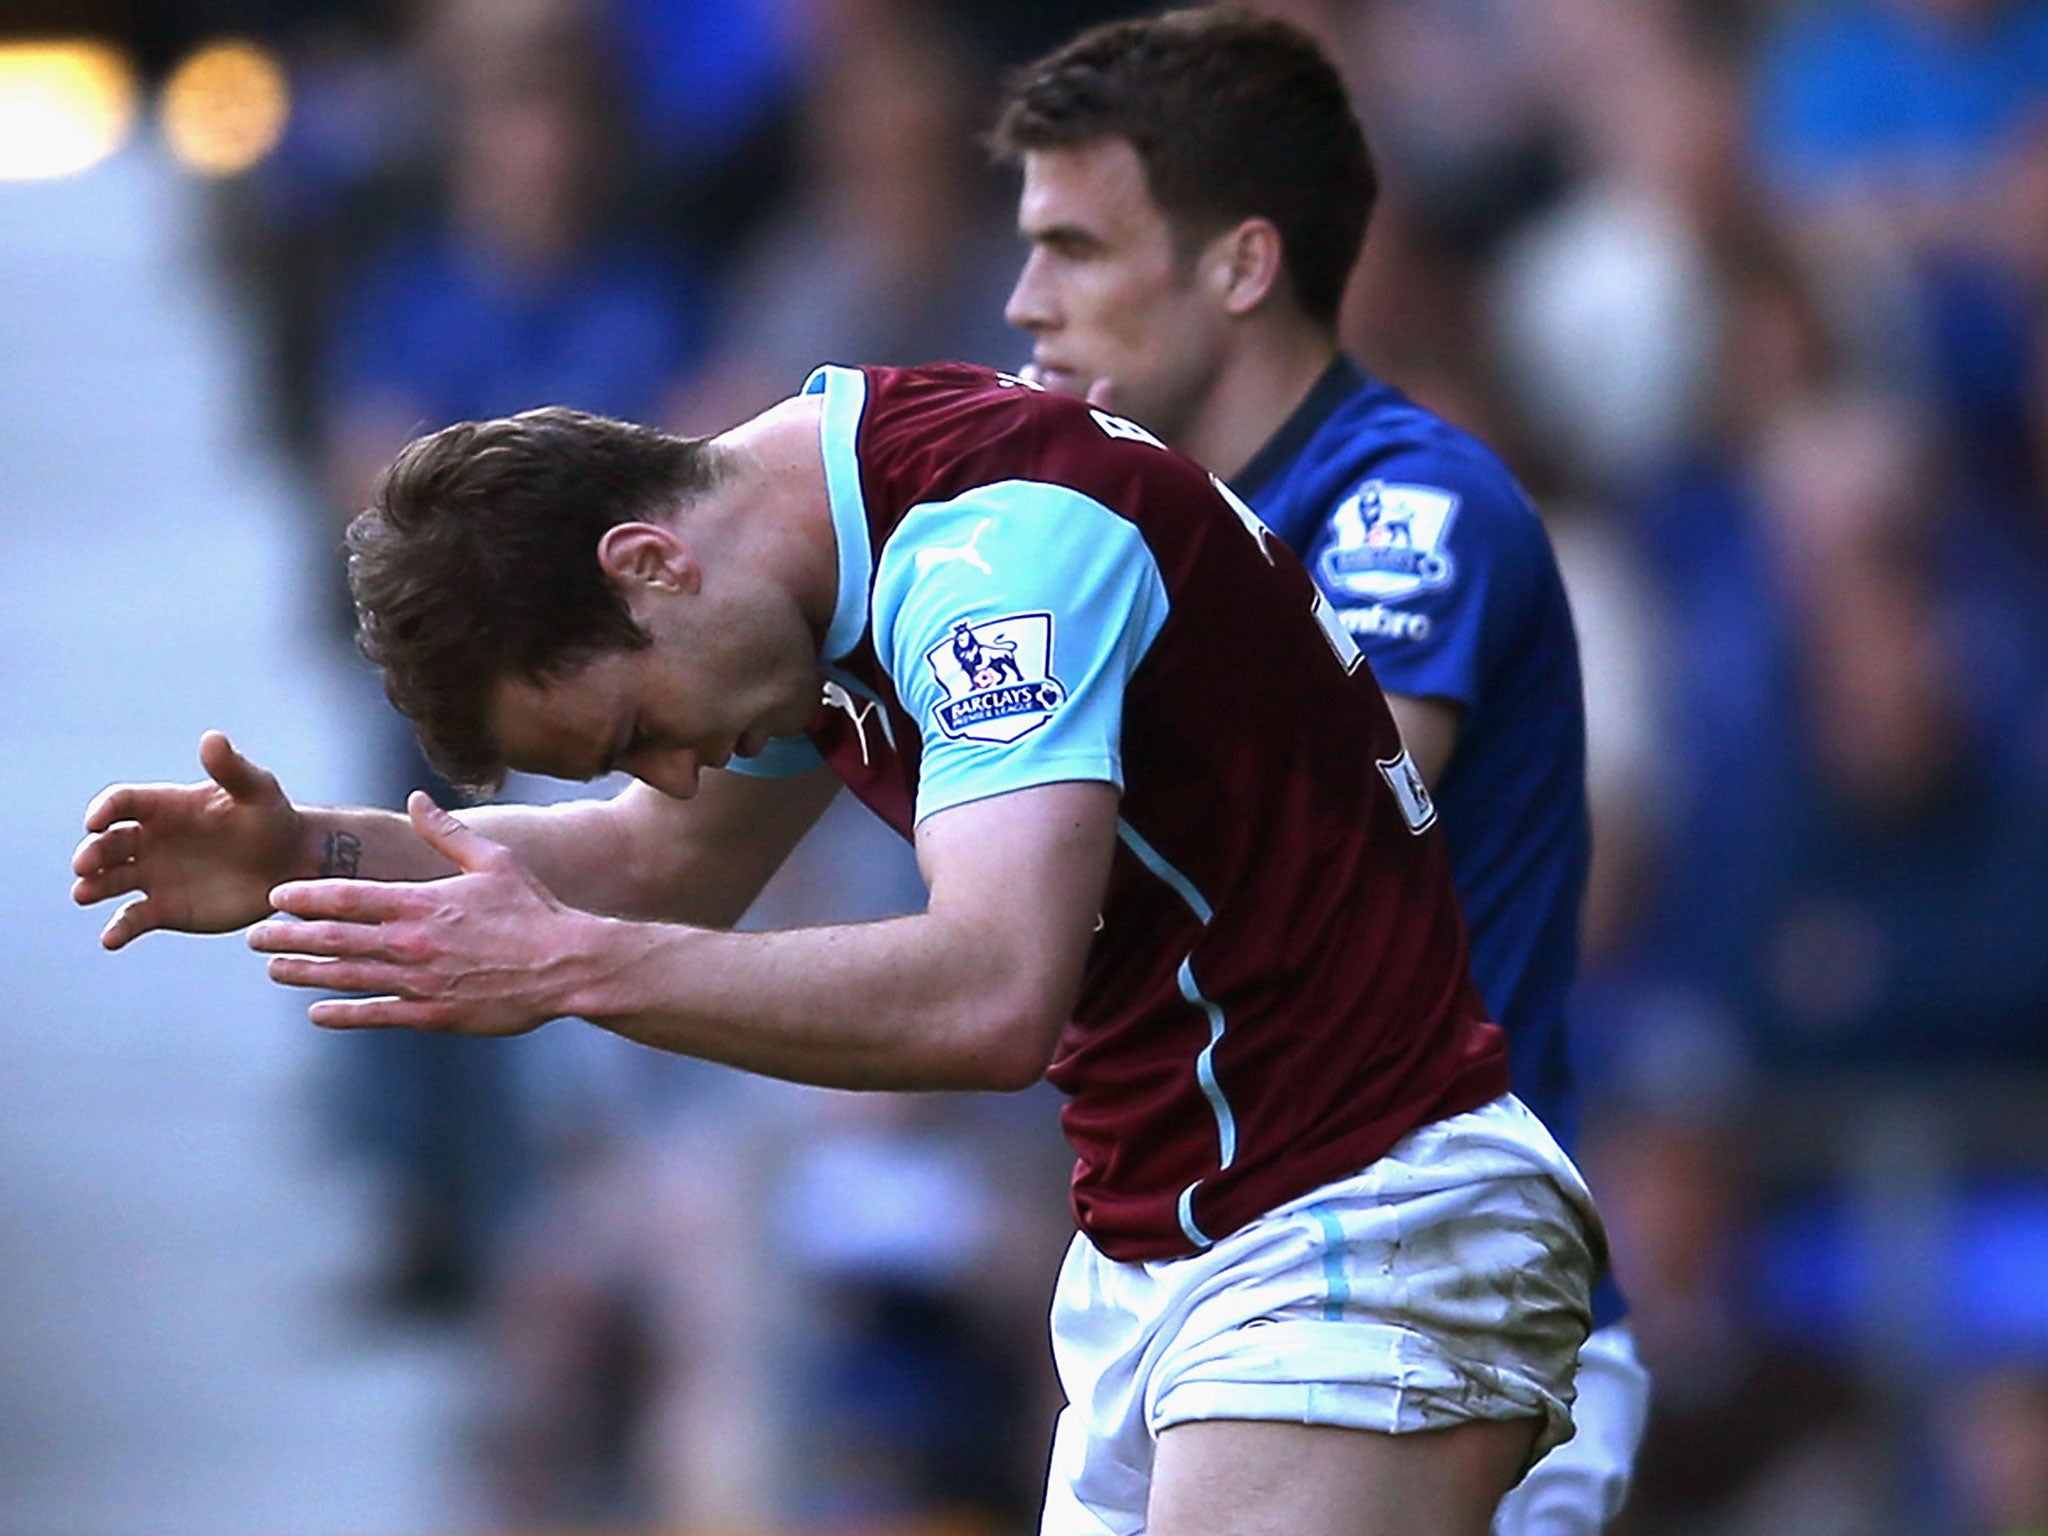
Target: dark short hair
pixel 1233 116
pixel 477 561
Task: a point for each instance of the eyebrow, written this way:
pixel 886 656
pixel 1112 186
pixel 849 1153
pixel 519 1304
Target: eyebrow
pixel 1064 235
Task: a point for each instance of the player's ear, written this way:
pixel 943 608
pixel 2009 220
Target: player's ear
pixel 1248 262
pixel 648 555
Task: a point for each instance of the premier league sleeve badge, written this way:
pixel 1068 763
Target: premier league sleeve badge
pixel 1390 544
pixel 998 679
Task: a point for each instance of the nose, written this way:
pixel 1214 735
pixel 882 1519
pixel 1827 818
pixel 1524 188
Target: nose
pixel 673 771
pixel 1030 305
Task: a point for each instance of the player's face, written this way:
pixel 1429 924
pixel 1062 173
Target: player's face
pixel 1111 302
pixel 663 714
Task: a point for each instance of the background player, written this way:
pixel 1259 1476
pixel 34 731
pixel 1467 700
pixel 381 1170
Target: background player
pixel 562 594
pixel 1196 192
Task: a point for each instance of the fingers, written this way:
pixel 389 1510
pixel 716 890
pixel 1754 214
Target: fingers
pixel 379 1013
pixel 105 850
pixel 467 849
pixel 129 924
pixel 104 885
pixel 392 988
pixel 351 901
pixel 233 772
pixel 105 866
pixel 346 975
pixel 360 941
pixel 121 802
pixel 1102 395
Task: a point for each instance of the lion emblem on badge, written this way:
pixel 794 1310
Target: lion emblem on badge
pixel 986 663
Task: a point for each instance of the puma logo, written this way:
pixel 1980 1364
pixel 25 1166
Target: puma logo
pixel 859 710
pixel 939 554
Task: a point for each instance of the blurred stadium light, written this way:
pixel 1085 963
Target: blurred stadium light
pixel 76 76
pixel 65 105
pixel 224 106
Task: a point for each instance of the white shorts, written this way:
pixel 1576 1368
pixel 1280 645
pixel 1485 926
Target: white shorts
pixel 1445 1283
pixel 1581 1485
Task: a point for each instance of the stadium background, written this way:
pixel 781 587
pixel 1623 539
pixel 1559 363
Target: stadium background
pixel 1754 295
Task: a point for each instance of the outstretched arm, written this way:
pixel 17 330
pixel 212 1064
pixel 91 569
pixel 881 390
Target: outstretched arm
pixel 971 992
pixel 204 857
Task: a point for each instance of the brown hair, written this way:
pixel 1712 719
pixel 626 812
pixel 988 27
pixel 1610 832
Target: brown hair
pixel 1233 116
pixel 477 561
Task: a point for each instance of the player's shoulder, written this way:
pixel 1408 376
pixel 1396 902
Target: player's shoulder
pixel 933 386
pixel 1381 435
pixel 973 419
pixel 1401 483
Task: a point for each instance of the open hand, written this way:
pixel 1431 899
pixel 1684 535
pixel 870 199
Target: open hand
pixel 485 951
pixel 203 856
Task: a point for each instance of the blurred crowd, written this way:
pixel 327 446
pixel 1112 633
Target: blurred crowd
pixel 1753 295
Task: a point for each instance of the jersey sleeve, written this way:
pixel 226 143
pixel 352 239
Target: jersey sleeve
pixel 1011 619
pixel 1427 574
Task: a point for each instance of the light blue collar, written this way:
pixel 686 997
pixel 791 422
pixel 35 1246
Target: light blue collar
pixel 846 394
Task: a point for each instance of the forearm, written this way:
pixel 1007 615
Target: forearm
pixel 970 993
pixel 358 842
pixel 597 855
pixel 908 1003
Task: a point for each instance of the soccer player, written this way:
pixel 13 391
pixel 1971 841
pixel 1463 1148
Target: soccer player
pixel 1330 1276
pixel 1196 188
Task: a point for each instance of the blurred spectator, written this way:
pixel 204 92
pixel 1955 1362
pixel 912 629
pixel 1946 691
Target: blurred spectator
pixel 1454 100
pixel 521 287
pixel 1996 1438
pixel 1622 659
pixel 1469 147
pixel 1859 689
pixel 1904 142
pixel 919 1225
pixel 640 1329
pixel 1603 304
pixel 1858 677
pixel 1903 116
pixel 919 1232
pixel 1010 35
pixel 896 249
pixel 711 90
pixel 355 163
pixel 718 94
pixel 1747 1437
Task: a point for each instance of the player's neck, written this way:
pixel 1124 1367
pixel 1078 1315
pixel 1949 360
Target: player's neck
pixel 1268 374
pixel 777 509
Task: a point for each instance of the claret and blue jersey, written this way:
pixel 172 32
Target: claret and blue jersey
pixel 1441 570
pixel 1034 591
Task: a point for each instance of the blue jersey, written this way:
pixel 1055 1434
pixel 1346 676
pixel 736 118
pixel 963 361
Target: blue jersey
pixel 1441 570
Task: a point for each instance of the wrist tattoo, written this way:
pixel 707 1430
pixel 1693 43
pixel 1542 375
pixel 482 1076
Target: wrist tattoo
pixel 344 855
